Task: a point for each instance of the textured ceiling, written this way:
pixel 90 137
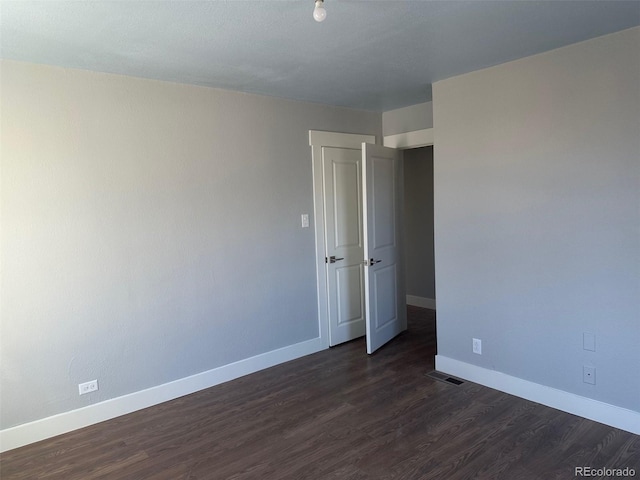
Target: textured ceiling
pixel 375 55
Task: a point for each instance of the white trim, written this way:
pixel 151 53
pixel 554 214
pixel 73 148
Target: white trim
pixel 415 139
pixel 595 410
pixel 318 140
pixel 421 302
pixel 27 433
pixel 340 140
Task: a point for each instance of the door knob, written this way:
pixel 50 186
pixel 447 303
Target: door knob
pixel 373 262
pixel 333 259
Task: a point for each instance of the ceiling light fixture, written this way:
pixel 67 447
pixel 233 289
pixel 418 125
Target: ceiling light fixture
pixel 319 13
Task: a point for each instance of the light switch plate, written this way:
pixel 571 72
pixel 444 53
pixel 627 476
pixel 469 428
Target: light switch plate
pixel 305 220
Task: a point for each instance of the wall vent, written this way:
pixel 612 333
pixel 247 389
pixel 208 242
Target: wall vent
pixel 443 377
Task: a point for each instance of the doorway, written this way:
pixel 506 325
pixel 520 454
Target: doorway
pixel 418 215
pixel 329 144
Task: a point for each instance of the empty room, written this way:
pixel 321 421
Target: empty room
pixel 290 239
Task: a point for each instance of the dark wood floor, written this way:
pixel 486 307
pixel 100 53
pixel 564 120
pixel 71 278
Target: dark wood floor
pixel 337 414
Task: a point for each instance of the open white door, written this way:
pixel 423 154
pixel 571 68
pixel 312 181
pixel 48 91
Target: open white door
pixel 384 290
pixel 337 203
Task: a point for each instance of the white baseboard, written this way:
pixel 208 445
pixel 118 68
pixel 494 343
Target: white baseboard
pixel 595 410
pixel 421 302
pixel 31 432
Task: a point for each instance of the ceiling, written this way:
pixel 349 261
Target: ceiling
pixel 373 55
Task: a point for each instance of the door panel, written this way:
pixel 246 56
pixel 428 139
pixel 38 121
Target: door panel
pixel 385 300
pixel 349 288
pixel 383 191
pixel 342 183
pixel 346 202
pixel 384 280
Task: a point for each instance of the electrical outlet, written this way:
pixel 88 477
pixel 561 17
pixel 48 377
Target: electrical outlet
pixel 88 387
pixel 589 375
pixel 304 220
pixel 477 346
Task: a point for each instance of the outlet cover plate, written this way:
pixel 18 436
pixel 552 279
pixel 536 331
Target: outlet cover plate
pixel 88 387
pixel 589 374
pixel 477 346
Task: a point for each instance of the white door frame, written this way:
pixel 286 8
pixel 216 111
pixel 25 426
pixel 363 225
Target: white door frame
pixel 404 141
pixel 317 140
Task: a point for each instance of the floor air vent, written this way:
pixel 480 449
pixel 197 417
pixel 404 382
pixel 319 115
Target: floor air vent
pixel 443 377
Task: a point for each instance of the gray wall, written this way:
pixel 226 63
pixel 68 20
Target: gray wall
pixel 418 210
pixel 537 225
pixel 407 119
pixel 150 231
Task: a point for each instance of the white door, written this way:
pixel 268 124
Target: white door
pixel 342 184
pixel 384 292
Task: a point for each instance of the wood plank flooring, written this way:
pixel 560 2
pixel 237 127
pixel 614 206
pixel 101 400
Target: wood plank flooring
pixel 337 414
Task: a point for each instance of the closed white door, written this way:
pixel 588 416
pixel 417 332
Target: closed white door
pixel 342 185
pixel 384 292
